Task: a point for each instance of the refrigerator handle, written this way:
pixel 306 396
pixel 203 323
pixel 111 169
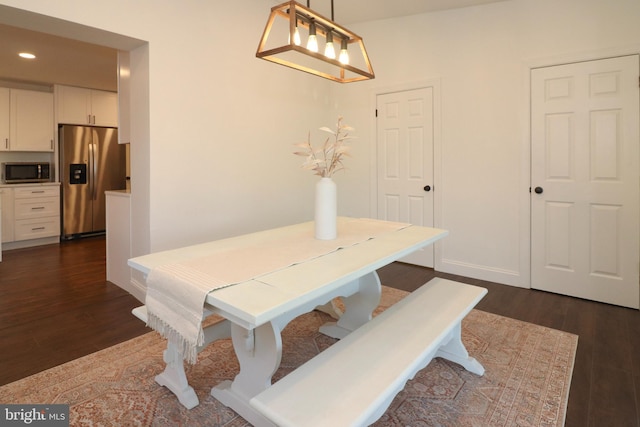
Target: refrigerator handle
pixel 92 156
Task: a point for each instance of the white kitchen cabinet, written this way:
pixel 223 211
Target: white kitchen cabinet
pixel 5 111
pixel 26 120
pixel 31 121
pixel 36 212
pixel 81 106
pixel 104 108
pixel 6 198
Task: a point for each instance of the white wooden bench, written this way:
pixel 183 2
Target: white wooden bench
pixel 173 377
pixel 353 382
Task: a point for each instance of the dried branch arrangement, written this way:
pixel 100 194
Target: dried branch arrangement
pixel 327 160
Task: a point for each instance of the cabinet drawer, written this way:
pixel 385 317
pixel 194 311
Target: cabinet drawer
pixel 38 207
pixel 40 191
pixel 26 229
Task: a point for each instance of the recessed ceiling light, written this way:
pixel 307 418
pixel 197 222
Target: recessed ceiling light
pixel 26 55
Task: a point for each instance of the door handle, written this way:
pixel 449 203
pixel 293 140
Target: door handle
pixel 427 188
pixel 538 190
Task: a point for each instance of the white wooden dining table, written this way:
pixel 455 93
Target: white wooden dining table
pixel 259 308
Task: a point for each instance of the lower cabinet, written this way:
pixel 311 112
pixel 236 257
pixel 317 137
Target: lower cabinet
pixel 27 229
pixel 29 213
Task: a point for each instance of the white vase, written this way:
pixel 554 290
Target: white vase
pixel 326 209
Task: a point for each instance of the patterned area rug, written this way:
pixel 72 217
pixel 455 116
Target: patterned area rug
pixel 526 383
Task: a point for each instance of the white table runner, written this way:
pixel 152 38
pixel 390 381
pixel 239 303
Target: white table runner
pixel 176 292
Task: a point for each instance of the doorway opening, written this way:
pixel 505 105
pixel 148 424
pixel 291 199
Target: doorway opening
pixel 137 116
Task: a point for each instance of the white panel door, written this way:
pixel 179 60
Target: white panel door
pixel 405 161
pixel 585 193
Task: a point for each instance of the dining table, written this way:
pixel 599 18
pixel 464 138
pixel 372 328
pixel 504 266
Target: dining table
pixel 261 281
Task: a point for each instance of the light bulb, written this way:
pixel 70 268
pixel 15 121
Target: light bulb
pixel 312 42
pixel 296 38
pixel 344 54
pixel 329 50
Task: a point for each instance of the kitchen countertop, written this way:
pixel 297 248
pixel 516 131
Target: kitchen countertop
pixel 120 193
pixel 33 184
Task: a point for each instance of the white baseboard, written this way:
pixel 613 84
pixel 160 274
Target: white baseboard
pixel 135 288
pixel 20 244
pixel 482 272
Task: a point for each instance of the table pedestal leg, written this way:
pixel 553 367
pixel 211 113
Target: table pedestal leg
pixel 358 307
pixel 331 309
pixel 259 352
pixel 174 378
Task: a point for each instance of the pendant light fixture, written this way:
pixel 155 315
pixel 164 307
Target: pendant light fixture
pixel 312 41
pixel 297 40
pixel 287 26
pixel 329 49
pixel 344 53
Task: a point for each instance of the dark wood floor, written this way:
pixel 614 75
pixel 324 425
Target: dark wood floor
pixel 56 305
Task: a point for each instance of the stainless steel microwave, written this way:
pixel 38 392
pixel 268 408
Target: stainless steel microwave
pixel 25 172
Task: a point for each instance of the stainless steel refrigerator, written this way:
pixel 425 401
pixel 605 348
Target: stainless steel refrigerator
pixel 91 162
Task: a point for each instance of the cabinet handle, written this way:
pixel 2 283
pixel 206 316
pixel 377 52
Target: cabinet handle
pixel 37 228
pixel 89 118
pixel 51 144
pixel 37 191
pixel 6 143
pixel 37 208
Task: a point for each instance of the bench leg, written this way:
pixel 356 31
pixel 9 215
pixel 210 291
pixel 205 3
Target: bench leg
pixel 358 307
pixel 456 352
pixel 174 378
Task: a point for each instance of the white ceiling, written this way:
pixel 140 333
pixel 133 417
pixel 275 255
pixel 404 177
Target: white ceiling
pixel 59 60
pixel 354 11
pixel 73 62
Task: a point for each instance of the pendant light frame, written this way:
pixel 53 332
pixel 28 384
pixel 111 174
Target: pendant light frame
pixel 298 15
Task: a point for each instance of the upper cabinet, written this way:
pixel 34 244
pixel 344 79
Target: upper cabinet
pixel 5 110
pixel 80 106
pixel 26 120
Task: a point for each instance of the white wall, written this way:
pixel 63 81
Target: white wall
pixel 213 126
pixel 481 56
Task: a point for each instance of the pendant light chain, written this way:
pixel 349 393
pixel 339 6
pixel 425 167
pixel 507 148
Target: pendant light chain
pixel 332 17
